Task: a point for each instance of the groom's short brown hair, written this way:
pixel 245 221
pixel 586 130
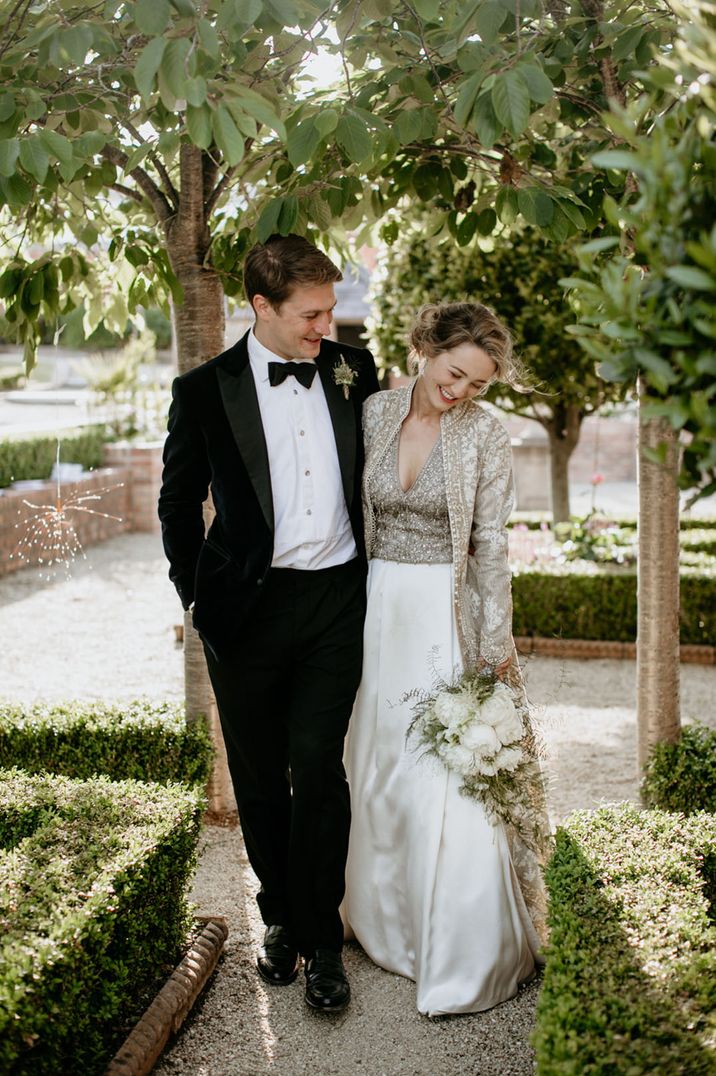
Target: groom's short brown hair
pixel 274 268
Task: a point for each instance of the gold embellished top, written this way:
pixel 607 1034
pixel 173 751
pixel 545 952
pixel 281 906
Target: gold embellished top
pixel 411 526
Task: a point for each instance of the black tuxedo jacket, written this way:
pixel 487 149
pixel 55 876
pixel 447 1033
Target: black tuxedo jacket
pixel 215 438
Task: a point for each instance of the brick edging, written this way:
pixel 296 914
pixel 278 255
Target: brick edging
pixel 142 1047
pixel 604 648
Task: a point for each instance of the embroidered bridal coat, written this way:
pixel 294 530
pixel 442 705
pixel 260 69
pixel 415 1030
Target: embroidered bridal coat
pixel 477 462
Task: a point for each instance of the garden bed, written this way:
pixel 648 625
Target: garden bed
pixel 135 740
pixel 630 981
pixel 93 876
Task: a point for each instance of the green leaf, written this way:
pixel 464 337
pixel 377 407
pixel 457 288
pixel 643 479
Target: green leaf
pixel 303 142
pixel 573 213
pixel 152 16
pixel 9 153
pixel 34 158
pixel 195 91
pixel 148 64
pixel 486 123
pixel 353 138
pixel 16 190
pixel 466 229
pixel 408 125
pixel 7 106
pixel 185 8
pixel 198 125
pixel 74 42
pixel 506 204
pixel 59 146
pixel 486 221
pixel 663 374
pixel 539 86
pixel 620 160
pixel 596 246
pixel 688 276
pixel 261 109
pixel 173 66
pixel 29 353
pixel 627 43
pixel 228 137
pixel 283 12
pixel 208 37
pixel 268 221
pixel 326 121
pixel 535 206
pixel 488 20
pixel 466 98
pixel 427 9
pixel 288 216
pixel 511 100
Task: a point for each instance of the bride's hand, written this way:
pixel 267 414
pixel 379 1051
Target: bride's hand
pixel 499 670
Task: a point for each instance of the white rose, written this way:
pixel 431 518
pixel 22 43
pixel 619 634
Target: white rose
pixel 499 706
pixel 459 759
pixel 482 739
pixel 510 730
pixel 449 710
pixel 508 758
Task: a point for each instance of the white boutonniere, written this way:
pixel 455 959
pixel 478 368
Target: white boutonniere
pixel 345 375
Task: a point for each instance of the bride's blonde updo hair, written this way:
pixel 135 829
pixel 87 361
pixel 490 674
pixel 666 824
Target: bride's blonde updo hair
pixel 441 327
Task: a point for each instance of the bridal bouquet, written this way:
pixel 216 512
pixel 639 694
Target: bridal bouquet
pixel 479 730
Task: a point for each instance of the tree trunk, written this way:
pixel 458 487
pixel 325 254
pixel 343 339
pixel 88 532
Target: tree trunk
pixel 657 666
pixel 199 333
pixel 563 431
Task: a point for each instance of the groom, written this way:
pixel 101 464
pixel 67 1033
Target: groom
pixel 276 586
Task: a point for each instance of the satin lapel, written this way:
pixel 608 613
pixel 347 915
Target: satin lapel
pixel 238 393
pixel 344 422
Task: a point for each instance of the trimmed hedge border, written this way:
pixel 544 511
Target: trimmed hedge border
pixel 35 457
pixel 534 521
pixel 630 981
pixel 140 740
pixel 582 600
pixel 93 877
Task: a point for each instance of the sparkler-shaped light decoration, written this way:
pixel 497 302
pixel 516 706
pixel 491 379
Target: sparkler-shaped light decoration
pixel 50 540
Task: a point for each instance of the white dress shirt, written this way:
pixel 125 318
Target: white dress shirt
pixel 311 524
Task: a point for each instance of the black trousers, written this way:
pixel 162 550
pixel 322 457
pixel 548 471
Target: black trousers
pixel 285 698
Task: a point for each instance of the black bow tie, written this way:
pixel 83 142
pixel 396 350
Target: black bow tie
pixel 302 371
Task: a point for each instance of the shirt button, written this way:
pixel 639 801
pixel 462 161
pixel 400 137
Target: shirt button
pixel 295 392
pixel 308 511
pixel 301 433
pixel 307 473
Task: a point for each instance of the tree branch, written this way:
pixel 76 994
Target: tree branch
pixel 169 188
pixel 127 191
pixel 163 209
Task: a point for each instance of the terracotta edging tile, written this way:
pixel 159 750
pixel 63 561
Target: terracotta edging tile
pixel 140 1050
pixel 604 648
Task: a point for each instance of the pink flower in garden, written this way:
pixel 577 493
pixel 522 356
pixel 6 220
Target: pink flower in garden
pixel 597 479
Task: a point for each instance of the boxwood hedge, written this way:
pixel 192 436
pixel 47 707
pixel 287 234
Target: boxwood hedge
pixel 92 904
pixel 630 981
pixel 33 457
pixel 582 600
pixel 141 740
pixel 682 776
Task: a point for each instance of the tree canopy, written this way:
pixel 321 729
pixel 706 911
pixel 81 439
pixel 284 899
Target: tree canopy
pixel 164 136
pixel 646 307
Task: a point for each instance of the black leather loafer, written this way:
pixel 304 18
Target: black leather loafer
pixel 277 961
pixel 327 987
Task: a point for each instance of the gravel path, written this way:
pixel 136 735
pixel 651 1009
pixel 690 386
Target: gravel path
pixel 107 632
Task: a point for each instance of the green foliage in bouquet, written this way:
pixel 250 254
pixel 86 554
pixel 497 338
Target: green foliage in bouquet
pixel 682 776
pixel 630 979
pixel 141 740
pixel 34 457
pixel 93 879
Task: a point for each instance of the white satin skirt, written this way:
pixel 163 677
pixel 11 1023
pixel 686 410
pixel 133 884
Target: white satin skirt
pixel 431 893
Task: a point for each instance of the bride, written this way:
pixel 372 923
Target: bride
pixel 434 890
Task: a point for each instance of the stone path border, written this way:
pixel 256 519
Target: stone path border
pixel 599 648
pixel 140 1050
